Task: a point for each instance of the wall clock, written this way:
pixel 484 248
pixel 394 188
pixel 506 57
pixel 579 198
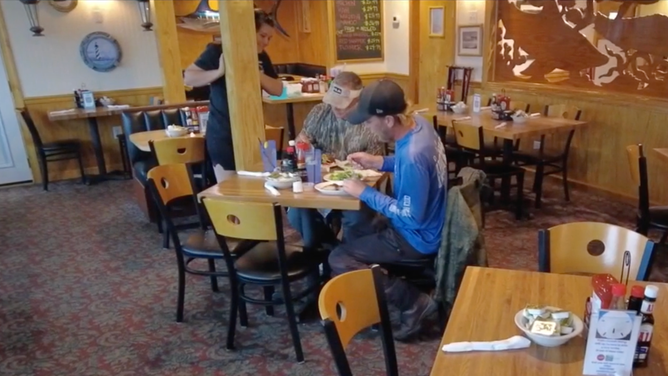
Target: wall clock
pixel 100 51
pixel 64 6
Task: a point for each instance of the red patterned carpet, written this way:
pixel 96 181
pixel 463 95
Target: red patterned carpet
pixel 86 289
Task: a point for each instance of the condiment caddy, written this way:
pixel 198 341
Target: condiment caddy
pixel 618 332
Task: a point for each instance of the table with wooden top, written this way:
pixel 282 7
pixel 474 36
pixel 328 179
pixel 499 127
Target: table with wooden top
pixel 289 101
pixel 250 188
pixel 141 139
pixel 484 310
pixel 663 153
pixel 534 126
pixel 91 117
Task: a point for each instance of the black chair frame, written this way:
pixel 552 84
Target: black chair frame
pixel 644 222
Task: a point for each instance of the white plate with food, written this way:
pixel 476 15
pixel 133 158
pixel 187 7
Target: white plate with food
pixel 351 174
pixel 331 188
pixel 282 180
pixel 548 326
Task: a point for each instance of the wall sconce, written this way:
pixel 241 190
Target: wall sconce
pixel 145 12
pixel 31 10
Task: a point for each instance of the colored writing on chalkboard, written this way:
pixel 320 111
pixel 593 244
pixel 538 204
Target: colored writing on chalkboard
pixel 359 30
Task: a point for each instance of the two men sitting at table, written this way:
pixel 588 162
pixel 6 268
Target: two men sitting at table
pixel 352 124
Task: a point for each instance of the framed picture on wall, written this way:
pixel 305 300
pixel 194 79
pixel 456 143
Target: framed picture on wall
pixel 436 21
pixel 469 40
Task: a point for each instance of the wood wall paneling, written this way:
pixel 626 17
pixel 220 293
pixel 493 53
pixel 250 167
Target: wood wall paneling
pixel 314 47
pixel 436 53
pixel 281 49
pixel 168 51
pixel 39 107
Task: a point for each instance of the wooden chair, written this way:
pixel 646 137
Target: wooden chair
pixel 277 134
pixel 269 263
pixel 548 163
pixel 648 217
pixel 51 151
pixel 594 248
pixel 350 303
pixel 168 183
pixel 470 138
pixel 181 150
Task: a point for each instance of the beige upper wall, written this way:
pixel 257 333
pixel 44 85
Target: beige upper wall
pixel 52 65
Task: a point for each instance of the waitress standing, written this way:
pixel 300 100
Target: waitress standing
pixel 209 69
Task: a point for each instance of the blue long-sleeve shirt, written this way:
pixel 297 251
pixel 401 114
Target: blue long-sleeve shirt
pixel 420 184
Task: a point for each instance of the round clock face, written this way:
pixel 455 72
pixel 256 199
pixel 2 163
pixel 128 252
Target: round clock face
pixel 100 52
pixel 614 326
pixel 63 5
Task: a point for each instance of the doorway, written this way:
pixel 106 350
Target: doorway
pixel 14 167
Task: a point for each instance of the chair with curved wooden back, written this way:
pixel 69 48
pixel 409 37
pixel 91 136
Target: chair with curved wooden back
pixel 648 217
pixel 594 248
pixel 181 150
pixel 471 139
pixel 268 263
pixel 550 163
pixel 177 150
pixel 174 182
pixel 349 303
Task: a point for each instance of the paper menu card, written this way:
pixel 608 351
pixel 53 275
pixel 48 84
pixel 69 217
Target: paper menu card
pixel 611 343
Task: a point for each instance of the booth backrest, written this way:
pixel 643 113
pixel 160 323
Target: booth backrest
pixel 150 118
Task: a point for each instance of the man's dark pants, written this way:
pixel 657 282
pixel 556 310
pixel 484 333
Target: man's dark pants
pixel 383 247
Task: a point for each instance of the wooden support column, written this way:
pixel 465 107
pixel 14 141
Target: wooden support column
pixel 164 28
pixel 237 29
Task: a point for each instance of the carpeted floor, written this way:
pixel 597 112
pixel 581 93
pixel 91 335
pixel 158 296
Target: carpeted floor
pixel 86 289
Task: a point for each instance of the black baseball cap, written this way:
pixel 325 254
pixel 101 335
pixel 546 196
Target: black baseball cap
pixel 381 98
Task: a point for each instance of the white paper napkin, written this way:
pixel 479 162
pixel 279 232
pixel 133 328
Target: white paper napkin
pixel 500 125
pixel 420 111
pixel 512 343
pixel 463 118
pixel 118 106
pixel 485 108
pixel 62 111
pixel 271 189
pixel 535 114
pixel 252 173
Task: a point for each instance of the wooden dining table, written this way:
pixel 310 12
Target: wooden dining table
pixel 232 186
pixel 484 310
pixel 663 153
pixel 141 139
pixel 91 116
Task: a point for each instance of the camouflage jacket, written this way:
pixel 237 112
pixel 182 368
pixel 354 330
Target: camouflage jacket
pixel 338 137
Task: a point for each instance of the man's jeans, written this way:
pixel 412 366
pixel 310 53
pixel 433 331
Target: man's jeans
pixel 315 230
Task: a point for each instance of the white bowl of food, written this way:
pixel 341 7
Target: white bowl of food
pixel 282 180
pixel 519 117
pixel 548 326
pixel 459 108
pixel 176 131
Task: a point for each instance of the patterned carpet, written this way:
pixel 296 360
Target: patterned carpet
pixel 86 289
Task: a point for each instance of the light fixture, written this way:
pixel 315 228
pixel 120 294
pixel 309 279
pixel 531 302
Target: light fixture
pixel 31 10
pixel 145 12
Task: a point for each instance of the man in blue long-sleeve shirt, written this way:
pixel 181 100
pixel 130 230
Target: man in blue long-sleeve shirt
pixel 417 212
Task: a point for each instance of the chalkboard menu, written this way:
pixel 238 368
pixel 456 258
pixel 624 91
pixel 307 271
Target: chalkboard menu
pixel 359 29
